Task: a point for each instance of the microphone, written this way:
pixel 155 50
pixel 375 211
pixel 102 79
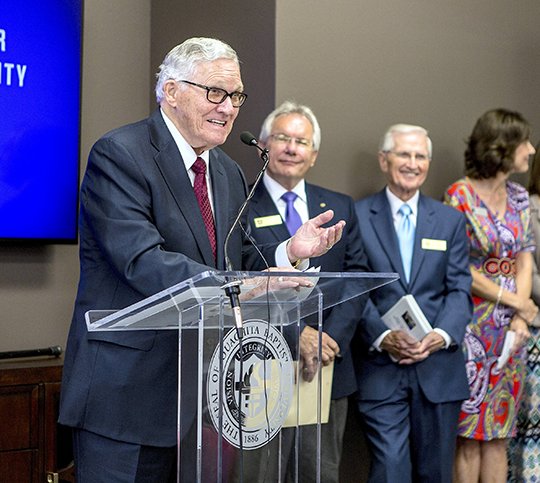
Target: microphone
pixel 232 289
pixel 248 138
pixel 251 140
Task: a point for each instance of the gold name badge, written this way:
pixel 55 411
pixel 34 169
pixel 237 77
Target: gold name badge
pixel 429 244
pixel 271 220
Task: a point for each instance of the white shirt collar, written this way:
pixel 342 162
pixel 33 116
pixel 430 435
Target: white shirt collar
pixel 395 203
pixel 186 151
pixel 276 190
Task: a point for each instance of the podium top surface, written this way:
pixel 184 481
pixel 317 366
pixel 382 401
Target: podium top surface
pixel 268 295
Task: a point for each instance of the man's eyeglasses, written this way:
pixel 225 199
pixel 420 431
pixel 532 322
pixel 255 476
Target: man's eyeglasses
pixel 283 138
pixel 215 95
pixel 406 156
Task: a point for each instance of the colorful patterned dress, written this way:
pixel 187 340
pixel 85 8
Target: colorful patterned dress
pixel 491 411
pixel 524 449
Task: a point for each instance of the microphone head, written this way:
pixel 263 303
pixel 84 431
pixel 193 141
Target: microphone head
pixel 248 138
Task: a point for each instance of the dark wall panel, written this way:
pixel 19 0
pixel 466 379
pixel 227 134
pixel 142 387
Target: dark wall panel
pixel 249 28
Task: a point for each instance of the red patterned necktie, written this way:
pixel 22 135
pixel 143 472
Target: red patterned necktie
pixel 201 192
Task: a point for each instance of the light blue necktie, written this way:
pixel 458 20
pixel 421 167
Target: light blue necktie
pixel 292 218
pixel 405 234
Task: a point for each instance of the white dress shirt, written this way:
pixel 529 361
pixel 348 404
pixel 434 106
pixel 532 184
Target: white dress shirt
pixel 276 191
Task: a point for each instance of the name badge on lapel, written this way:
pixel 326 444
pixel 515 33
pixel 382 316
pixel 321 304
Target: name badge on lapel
pixel 430 244
pixel 264 221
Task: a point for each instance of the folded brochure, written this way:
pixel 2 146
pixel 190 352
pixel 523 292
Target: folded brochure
pixel 407 315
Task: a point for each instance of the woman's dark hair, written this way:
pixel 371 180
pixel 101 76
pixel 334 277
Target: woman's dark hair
pixel 493 143
pixel 534 178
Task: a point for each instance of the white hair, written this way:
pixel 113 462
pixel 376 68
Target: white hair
pixel 291 107
pixel 388 142
pixel 181 61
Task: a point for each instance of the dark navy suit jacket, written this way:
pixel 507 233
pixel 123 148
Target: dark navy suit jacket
pixel 347 255
pixel 441 284
pixel 141 231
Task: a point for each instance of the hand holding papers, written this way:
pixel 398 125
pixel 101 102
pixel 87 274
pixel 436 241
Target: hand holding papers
pixel 309 350
pixel 305 395
pixel 406 315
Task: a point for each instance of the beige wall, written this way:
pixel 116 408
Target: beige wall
pixel 364 65
pixel 38 284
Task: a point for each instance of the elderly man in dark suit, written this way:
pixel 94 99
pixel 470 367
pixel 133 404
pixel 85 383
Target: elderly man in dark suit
pixel 409 391
pixel 292 135
pixel 157 201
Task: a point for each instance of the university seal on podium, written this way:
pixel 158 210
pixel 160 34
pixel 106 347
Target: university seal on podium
pixel 264 388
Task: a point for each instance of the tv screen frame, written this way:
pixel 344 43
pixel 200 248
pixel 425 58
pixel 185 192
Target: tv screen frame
pixel 41 46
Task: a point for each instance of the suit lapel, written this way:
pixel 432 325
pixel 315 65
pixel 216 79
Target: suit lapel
pixel 262 205
pixel 425 228
pixel 171 165
pixel 220 192
pixel 315 201
pixel 317 204
pixel 383 226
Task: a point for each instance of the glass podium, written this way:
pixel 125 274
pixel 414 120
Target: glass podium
pixel 244 402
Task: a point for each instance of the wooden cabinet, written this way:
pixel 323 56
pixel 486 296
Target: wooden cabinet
pixel 32 446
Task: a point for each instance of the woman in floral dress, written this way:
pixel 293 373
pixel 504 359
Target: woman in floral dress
pixel 524 449
pixel 501 245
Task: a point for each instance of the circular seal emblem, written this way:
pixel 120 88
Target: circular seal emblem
pixel 265 386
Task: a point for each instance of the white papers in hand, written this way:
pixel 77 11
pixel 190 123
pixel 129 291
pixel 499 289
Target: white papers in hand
pixel 507 349
pixel 406 315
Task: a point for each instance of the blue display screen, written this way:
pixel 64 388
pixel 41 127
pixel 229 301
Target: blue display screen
pixel 40 85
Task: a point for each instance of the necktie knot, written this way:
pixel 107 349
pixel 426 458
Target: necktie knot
pixel 289 196
pixel 199 166
pixel 405 210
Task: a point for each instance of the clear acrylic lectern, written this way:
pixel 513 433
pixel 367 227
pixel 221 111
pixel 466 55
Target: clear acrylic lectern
pixel 244 403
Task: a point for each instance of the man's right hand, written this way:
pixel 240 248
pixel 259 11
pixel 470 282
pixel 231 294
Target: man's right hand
pixel 309 350
pixel 403 347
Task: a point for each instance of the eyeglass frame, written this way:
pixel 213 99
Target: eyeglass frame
pixel 225 93
pixel 285 138
pixel 421 158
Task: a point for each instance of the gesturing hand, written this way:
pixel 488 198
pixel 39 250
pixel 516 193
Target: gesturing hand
pixel 312 240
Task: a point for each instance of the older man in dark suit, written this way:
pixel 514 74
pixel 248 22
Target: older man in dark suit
pixel 409 391
pixel 292 135
pixel 157 201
